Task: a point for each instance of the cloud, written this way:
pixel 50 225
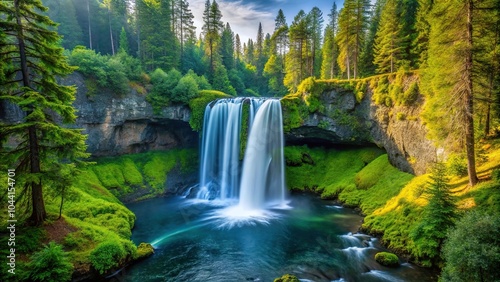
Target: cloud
pixel 243 16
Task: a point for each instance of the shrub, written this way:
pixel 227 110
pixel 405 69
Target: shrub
pixel 400 116
pixel 50 264
pixel 471 252
pixel 411 94
pixel 186 89
pixel 107 255
pixel 387 259
pixel 112 72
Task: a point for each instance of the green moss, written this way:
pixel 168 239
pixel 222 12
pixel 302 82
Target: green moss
pixel 110 175
pixel 145 250
pixel 156 169
pixel 376 183
pixel 294 112
pixel 126 174
pixel 198 105
pixel 326 171
pixel 387 259
pixel 245 115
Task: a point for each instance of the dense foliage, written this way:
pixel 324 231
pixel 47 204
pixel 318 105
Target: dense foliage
pixel 51 264
pixel 472 249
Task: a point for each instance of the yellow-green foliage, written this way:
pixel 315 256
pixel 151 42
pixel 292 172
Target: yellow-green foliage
pixel 401 90
pixel 360 90
pixel 145 250
pixel 198 105
pixel 375 184
pixel 310 91
pixel 401 214
pixel 381 92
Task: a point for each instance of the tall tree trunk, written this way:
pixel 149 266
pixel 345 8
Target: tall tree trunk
pixel 468 103
pixel 38 214
pixel 90 28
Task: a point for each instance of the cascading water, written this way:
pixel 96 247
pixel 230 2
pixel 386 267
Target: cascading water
pixel 262 181
pixel 263 177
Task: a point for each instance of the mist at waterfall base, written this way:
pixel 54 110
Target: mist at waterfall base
pixel 259 186
pixel 238 224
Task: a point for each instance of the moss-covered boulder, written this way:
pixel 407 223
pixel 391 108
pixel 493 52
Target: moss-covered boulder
pixel 144 250
pixel 387 259
pixel 287 278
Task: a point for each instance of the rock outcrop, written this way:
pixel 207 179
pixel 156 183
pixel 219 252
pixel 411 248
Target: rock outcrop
pixel 127 124
pixel 397 129
pixel 121 124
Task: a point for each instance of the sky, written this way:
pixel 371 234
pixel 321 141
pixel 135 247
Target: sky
pixel 244 15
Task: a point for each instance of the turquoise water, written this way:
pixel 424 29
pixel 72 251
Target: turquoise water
pixel 313 239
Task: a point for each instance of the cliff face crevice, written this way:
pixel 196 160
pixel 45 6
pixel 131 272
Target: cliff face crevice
pixel 127 124
pixel 343 120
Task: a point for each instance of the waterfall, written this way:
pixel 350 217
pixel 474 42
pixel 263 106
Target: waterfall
pixel 261 181
pixel 263 177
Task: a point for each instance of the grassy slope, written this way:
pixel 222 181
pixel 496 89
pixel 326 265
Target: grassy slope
pixel 92 213
pixel 392 200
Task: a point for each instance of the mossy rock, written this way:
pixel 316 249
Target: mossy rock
pixel 145 250
pixel 287 278
pixel 387 259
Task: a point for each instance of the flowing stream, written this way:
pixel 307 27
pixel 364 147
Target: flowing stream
pixel 315 240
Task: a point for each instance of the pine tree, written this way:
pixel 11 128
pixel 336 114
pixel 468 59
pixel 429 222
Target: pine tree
pixel 367 55
pixel 388 41
pixel 212 27
pixel 123 42
pixel 259 44
pixel 448 79
pixel 34 60
pixel 237 48
pixel 439 215
pixel 353 22
pixel 183 23
pixel 296 59
pixel 422 28
pixel 408 32
pixel 280 34
pixel 227 47
pixel 330 47
pixel 315 31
